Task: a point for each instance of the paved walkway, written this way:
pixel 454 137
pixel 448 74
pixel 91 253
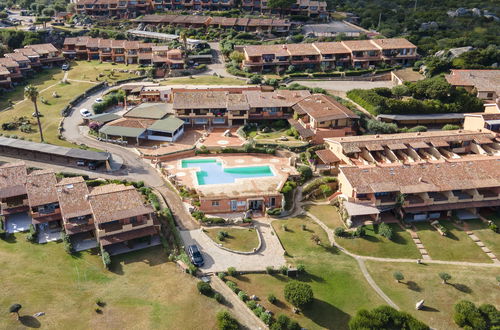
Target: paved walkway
pixel 419 244
pixel 237 307
pixel 271 252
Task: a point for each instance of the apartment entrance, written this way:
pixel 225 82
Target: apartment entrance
pixel 255 205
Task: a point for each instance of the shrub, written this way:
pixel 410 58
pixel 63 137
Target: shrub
pixel 275 211
pixel 283 322
pixel 226 322
pixel 106 258
pixel 32 235
pixel 445 277
pixel 301 268
pixel 232 286
pixel 222 275
pixel 385 317
pixel 242 295
pixel 385 230
pixel 220 236
pixel 450 127
pixel 68 247
pixel 339 232
pixel 284 270
pixel 204 288
pixel 398 276
pixel 305 173
pixel 298 294
pixel 360 232
pixel 198 215
pixel 231 271
pixel 219 298
pixel 266 318
pixel 493 227
pixel 466 314
pixel 251 304
pixel 272 298
pixel 270 270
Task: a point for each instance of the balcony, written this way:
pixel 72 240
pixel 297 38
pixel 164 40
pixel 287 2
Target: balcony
pixel 385 200
pixel 238 115
pixel 488 193
pixel 414 200
pixel 252 63
pixel 42 217
pixel 438 197
pixel 461 195
pixel 123 228
pixel 14 207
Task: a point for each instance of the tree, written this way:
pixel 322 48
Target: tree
pixel 385 317
pixel 445 277
pixel 48 12
pixel 400 90
pixel 398 276
pixel 14 309
pixel 237 57
pixel 280 4
pixel 298 294
pixel 204 288
pixel 31 93
pixel 226 322
pixel 385 230
pixel 183 38
pixel 466 314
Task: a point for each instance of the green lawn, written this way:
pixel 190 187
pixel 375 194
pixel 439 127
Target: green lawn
pixel 338 285
pixel 239 239
pixel 90 70
pixel 204 80
pixel 328 214
pixel 274 138
pixel 374 245
pixel 486 235
pixel 477 284
pixel 141 291
pixel 457 246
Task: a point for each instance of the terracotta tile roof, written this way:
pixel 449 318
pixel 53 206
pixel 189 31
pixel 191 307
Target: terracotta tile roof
pixel 4 70
pixel 323 108
pixel 116 201
pixel 259 50
pixel 160 48
pixel 41 187
pixel 352 144
pixel 482 80
pixel 327 156
pixel 13 179
pixel 200 100
pixel 8 62
pixel 27 52
pixel 393 43
pixel 43 48
pixel 278 98
pixel 331 48
pixel 72 194
pixel 18 57
pixel 301 49
pixel 359 45
pixel 237 102
pixel 117 43
pixel 132 122
pixel 427 177
pixel 104 43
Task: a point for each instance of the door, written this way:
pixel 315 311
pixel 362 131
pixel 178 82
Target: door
pixel 234 205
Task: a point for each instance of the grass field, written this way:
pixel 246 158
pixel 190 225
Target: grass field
pixel 457 246
pixel 338 285
pixel 422 282
pixel 90 70
pixel 374 245
pixel 486 235
pixel 141 291
pixel 239 239
pixel 328 214
pixel 204 80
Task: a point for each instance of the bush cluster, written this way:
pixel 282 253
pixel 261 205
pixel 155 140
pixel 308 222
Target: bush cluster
pixel 108 101
pixel 385 317
pixel 297 293
pixel 467 315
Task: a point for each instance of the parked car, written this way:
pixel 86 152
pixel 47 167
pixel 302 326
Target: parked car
pixel 65 67
pixel 92 166
pixel 80 163
pixel 32 28
pixel 195 255
pixel 85 113
pixel 98 100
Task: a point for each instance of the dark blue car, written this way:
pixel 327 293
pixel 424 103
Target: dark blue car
pixel 195 255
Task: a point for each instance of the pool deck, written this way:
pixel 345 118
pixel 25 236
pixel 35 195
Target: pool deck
pixel 241 187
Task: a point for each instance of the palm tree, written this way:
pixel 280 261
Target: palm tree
pixel 183 38
pixel 31 93
pixel 14 309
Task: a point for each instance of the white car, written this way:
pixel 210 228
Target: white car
pixel 99 100
pixel 85 113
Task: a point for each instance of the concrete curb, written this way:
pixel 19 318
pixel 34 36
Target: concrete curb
pixel 259 236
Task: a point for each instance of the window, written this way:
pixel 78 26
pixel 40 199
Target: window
pixel 215 203
pixel 242 203
pixel 489 95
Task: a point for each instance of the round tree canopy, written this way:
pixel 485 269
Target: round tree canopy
pixel 15 308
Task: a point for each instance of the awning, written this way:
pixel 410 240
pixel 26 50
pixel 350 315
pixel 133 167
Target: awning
pixel 327 156
pixel 354 209
pixel 167 125
pixel 440 144
pixel 419 145
pixel 397 146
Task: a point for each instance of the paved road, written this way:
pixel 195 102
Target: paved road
pixel 216 259
pixel 341 87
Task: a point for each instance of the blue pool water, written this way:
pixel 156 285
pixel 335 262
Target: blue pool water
pixel 212 172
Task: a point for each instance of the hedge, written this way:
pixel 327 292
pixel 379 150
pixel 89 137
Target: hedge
pixel 357 73
pixel 327 74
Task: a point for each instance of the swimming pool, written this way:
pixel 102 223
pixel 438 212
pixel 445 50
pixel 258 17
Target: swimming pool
pixel 212 172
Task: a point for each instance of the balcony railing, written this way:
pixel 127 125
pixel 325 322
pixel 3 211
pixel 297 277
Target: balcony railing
pixel 124 228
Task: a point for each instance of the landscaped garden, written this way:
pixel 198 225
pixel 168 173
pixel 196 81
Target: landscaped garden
pixel 96 71
pixel 140 289
pixel 477 284
pixel 456 246
pixel 237 239
pixel 338 286
pixel 328 214
pixel 375 245
pixel 490 238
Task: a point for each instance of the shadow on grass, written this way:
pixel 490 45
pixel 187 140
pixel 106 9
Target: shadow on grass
pixel 242 278
pixel 30 321
pixel 461 287
pixel 413 286
pixel 326 315
pixel 308 277
pixel 280 304
pixel 152 256
pixel 9 238
pixel 429 309
pixel 331 249
pixel 371 238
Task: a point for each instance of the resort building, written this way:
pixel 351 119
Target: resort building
pixel 123 51
pixel 329 55
pixel 270 25
pixel 16 66
pixel 78 220
pixel 417 176
pixel 13 195
pixel 319 116
pixel 121 219
pixel 44 204
pixel 112 8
